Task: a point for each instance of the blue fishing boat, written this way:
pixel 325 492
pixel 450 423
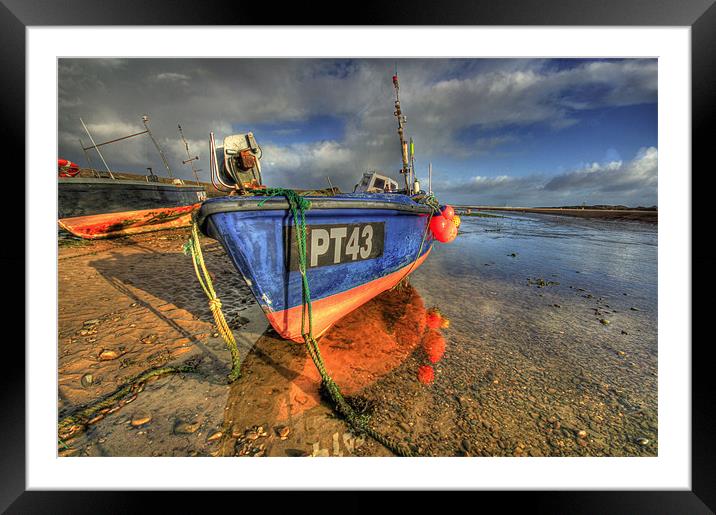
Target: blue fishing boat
pixel 357 245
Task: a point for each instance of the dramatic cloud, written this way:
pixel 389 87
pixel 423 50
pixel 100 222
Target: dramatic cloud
pixel 458 111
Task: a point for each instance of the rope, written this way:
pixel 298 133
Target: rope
pixel 298 205
pixel 193 248
pixel 431 201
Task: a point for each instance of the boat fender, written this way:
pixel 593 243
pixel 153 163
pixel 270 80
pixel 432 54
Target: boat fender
pixel 448 212
pixel 452 232
pixel 440 227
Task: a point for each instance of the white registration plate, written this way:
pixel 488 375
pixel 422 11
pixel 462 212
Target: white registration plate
pixel 333 244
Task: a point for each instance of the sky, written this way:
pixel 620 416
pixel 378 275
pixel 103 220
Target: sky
pixel 516 132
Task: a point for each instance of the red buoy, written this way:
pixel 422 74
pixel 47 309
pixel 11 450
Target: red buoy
pixel 448 212
pixel 67 168
pixel 440 227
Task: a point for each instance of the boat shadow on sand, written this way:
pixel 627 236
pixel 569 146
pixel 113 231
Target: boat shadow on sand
pixel 164 284
pixel 279 381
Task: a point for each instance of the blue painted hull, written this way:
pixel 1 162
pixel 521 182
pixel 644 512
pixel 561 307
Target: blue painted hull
pixel 257 241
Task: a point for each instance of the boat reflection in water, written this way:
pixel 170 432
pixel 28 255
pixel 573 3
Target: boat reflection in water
pixel 392 330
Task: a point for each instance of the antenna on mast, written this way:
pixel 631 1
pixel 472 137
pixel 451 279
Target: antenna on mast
pixel 401 130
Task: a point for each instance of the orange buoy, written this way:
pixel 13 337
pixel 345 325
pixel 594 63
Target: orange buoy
pixel 448 212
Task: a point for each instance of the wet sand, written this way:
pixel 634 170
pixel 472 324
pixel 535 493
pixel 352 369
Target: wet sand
pixel 651 216
pixel 524 368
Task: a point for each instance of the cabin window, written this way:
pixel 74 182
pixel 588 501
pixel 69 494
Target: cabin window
pixel 379 183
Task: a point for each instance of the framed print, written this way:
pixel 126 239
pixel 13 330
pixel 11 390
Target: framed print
pixel 448 251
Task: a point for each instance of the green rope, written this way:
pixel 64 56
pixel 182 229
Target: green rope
pixel 298 206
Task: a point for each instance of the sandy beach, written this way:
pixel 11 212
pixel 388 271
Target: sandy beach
pixel 531 361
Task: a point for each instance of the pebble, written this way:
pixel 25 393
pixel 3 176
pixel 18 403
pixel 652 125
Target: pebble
pixel 152 338
pixel 107 355
pixel 96 419
pixel 634 309
pixel 582 434
pixel 140 419
pixel 642 441
pixel 215 436
pixel 466 445
pixel 624 332
pixel 94 321
pixel 604 321
pixel 181 427
pixel 405 427
pixel 283 431
pixel 87 380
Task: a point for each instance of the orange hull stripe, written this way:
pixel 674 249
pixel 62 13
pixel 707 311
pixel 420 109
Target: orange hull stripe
pixel 105 225
pixel 328 310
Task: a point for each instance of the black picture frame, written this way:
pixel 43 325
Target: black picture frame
pixel 16 15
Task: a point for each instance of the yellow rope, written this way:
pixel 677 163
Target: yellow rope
pixel 193 247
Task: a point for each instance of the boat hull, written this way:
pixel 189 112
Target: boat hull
pixel 259 239
pixel 105 208
pixel 112 225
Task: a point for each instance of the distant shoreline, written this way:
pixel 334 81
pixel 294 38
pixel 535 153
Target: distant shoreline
pixel 641 215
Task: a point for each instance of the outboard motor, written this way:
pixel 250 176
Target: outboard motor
pixel 240 166
pixel 241 161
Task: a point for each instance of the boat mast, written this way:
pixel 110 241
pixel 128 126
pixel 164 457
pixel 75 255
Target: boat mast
pixel 94 145
pixel 401 131
pixel 189 159
pixel 412 163
pixel 89 161
pixel 145 120
pixel 430 178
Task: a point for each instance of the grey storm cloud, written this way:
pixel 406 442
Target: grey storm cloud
pixel 596 183
pixel 441 97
